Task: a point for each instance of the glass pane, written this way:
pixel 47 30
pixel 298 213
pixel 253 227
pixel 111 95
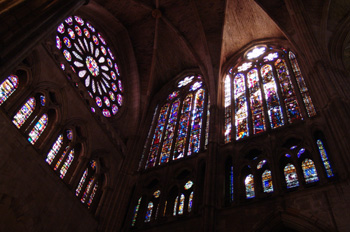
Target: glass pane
pixel 38 129
pixel 249 186
pixel 24 113
pixel 291 176
pixel 7 87
pixel 241 110
pixel 309 170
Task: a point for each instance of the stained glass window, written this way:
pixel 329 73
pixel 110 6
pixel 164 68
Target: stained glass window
pixel 81 182
pixel 249 186
pixel 54 150
pixel 263 91
pixel 24 113
pixel 7 87
pixel 266 179
pixel 231 183
pixel 38 129
pixel 67 164
pixel 182 121
pixel 324 158
pixel 227 109
pixel 302 86
pixel 61 158
pixel 309 170
pixel 291 176
pixel 92 195
pixel 136 211
pixel 87 190
pixel 175 205
pixel 93 61
pixel 181 204
pixel 149 212
pixel 261 164
pixel 190 201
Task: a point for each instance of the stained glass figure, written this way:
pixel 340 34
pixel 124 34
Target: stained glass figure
pixel 266 179
pixel 197 118
pixel 288 94
pixel 169 132
pixel 291 176
pixel 180 144
pixel 38 129
pixel 81 182
pixel 175 206
pixel 24 113
pixel 181 205
pixel 228 109
pixel 309 170
pixel 54 150
pixel 271 97
pixel 249 186
pixel 8 87
pixel 324 158
pixel 190 201
pixel 302 86
pixel 157 136
pixel 256 104
pixel 149 212
pixel 241 110
pixel 67 164
pixel 93 64
pixel 136 210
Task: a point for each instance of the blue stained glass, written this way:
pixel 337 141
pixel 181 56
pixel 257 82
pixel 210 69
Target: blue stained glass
pixel 309 170
pixel 149 212
pixel 300 152
pixel 324 158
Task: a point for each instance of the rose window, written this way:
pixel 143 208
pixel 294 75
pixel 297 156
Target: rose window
pixel 93 61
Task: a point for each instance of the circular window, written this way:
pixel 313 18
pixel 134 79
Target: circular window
pixel 92 60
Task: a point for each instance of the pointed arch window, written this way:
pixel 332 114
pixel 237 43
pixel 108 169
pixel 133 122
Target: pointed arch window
pixel 182 126
pixel 38 129
pixel 309 171
pixel 291 176
pixel 183 202
pixel 324 158
pixel 136 210
pixel 264 94
pixel 89 56
pixel 8 87
pixel 266 179
pixel 23 114
pixel 249 186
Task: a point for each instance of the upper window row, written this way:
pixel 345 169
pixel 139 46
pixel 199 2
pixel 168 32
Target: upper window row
pixel 265 90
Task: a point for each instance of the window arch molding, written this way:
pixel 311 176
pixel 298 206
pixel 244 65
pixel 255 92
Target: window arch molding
pixel 263 89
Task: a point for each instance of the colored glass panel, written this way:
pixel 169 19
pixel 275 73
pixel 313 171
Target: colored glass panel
pixel 38 129
pixel 180 144
pixel 175 206
pixel 181 204
pixel 67 164
pixel 188 185
pixel 197 118
pixel 249 186
pixel 185 81
pixel 309 171
pixel 190 202
pixel 157 136
pixel 81 182
pixel 61 158
pixel 136 210
pixel 302 86
pixel 92 195
pixel 7 87
pixel 266 179
pixel 149 212
pixel 173 95
pixel 288 94
pixel 54 150
pixel 241 110
pixel 231 184
pixel 300 152
pixel 87 190
pixel 271 97
pixel 207 126
pixel 169 132
pixel 42 100
pixel 156 194
pixel 261 164
pixel 256 104
pixel 24 113
pixel 291 176
pixel 228 111
pixel 324 158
